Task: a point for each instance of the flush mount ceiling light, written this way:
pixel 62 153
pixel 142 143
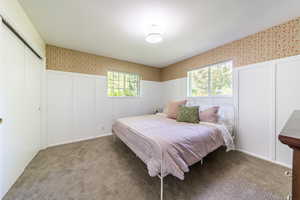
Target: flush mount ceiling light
pixel 154 35
pixel 154 38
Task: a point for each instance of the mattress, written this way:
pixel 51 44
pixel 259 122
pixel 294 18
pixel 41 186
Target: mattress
pixel 170 147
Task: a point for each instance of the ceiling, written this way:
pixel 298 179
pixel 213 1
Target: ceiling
pixel 117 28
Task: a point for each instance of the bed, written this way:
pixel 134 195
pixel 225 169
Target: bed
pixel 170 147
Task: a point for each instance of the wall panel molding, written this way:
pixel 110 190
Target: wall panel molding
pixel 78 107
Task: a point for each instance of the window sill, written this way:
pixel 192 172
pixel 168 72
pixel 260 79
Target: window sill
pixel 210 97
pixel 123 97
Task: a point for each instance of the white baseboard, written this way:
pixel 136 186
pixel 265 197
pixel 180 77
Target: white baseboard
pixel 78 140
pixel 264 158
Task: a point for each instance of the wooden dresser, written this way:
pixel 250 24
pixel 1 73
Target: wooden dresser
pixel 290 135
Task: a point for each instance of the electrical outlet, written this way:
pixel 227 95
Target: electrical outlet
pixel 288 173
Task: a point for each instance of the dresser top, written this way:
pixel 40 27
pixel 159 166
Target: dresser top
pixel 290 134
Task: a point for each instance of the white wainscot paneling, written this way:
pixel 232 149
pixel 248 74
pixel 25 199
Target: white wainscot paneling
pixel 288 100
pixel 78 106
pixel 59 108
pixel 174 90
pixel 84 107
pixel 265 94
pixel 104 107
pixel 256 110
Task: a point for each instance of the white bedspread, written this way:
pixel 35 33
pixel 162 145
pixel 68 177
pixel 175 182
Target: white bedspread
pixel 168 146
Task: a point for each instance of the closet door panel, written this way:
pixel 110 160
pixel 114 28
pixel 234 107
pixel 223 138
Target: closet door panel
pixel 2 81
pixel 288 100
pixel 12 108
pixel 255 131
pixel 33 67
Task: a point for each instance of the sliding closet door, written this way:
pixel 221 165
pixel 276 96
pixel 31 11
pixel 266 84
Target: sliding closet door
pixel 19 108
pixel 33 69
pixel 13 107
pixel 2 87
pixel 288 100
pixel 256 110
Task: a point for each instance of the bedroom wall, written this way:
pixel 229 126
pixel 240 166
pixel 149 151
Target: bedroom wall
pixel 15 159
pixel 276 42
pixel 265 95
pixel 259 76
pixel 74 61
pixel 78 107
pixel 267 98
pixel 77 104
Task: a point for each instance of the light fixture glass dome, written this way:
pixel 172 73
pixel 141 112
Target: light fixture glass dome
pixel 154 34
pixel 154 38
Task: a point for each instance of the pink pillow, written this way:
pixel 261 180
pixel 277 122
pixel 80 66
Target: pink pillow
pixel 173 108
pixel 209 115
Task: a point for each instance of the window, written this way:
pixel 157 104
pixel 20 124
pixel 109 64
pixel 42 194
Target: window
pixel 213 80
pixel 120 84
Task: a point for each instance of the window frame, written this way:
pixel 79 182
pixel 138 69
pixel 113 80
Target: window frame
pixel 130 73
pixel 189 92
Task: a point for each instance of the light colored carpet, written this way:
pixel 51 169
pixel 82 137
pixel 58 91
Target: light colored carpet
pixel 102 169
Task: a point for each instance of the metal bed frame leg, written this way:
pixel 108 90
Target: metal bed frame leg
pixel 161 188
pixel 161 178
pixel 162 181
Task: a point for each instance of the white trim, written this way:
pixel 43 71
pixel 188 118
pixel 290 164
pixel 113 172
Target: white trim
pixel 288 59
pixel 210 97
pixel 79 140
pixel 236 101
pixel 273 114
pixel 275 61
pixel 44 109
pixel 258 65
pixel 276 111
pixel 124 97
pixel 264 158
pixel 76 74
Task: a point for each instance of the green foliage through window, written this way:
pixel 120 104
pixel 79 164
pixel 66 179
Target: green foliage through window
pixel 214 80
pixel 120 84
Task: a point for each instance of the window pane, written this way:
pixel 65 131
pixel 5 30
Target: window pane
pixel 109 92
pixel 211 81
pixel 198 80
pixel 115 75
pixel 110 75
pixel 221 79
pixel 122 84
pixel 121 81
